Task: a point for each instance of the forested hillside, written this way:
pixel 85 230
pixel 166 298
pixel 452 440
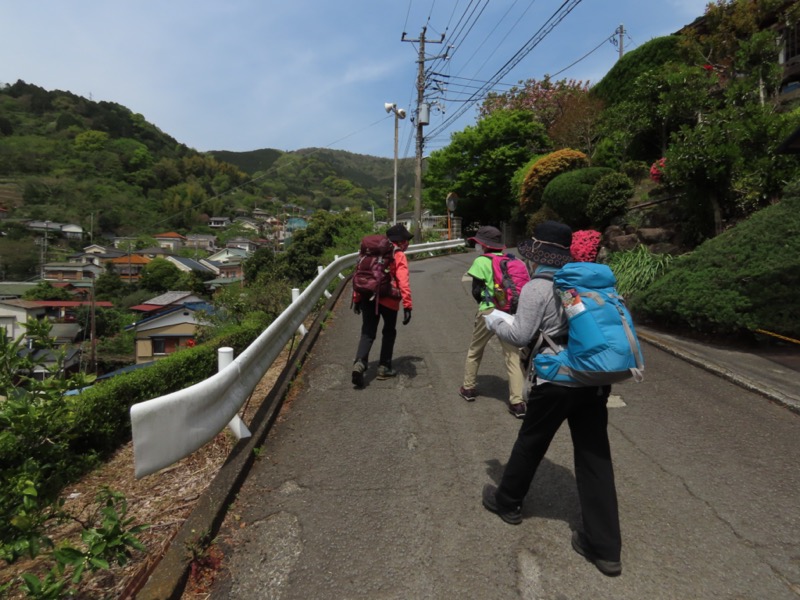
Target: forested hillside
pixel 67 159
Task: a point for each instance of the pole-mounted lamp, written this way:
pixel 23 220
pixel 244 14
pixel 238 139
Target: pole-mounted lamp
pixel 399 113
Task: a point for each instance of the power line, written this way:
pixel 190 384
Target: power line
pixel 595 49
pixel 534 41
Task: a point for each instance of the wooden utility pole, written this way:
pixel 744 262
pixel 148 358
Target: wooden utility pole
pixel 422 120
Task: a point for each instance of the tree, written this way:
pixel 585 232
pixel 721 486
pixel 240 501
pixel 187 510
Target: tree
pixel 568 194
pixel 578 125
pixel 546 100
pixel 327 234
pixel 262 262
pixel 161 276
pixel 109 285
pixel 727 166
pixel 45 291
pixel 479 164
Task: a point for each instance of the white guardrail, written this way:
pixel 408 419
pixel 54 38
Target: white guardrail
pixel 169 428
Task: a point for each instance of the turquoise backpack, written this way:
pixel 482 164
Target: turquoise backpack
pixel 603 347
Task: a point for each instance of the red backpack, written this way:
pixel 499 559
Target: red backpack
pixel 373 277
pixel 510 275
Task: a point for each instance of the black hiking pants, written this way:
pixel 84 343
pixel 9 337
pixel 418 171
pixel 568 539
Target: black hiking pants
pixel 369 331
pixel 584 409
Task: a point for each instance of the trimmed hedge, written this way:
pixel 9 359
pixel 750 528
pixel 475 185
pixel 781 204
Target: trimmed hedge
pixel 568 194
pixel 608 199
pixel 543 171
pixel 742 280
pixel 101 421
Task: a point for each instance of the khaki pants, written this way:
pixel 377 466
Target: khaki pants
pixel 480 337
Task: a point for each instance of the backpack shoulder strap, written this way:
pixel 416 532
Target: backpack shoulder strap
pixel 543 275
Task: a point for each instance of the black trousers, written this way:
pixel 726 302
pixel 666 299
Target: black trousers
pixel 586 413
pixel 370 320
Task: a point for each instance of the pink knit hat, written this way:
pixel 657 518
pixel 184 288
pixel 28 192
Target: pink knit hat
pixel 585 245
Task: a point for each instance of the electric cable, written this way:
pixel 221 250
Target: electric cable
pixel 556 18
pixel 595 49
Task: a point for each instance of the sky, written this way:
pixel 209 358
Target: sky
pixel 244 75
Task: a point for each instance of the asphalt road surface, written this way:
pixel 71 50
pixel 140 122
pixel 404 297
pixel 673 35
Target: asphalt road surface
pixel 375 493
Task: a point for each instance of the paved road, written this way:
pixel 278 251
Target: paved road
pixel 375 493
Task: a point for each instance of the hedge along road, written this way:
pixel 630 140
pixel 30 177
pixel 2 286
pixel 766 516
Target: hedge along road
pixel 375 493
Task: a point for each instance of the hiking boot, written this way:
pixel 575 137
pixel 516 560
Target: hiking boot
pixel 385 372
pixel 611 568
pixel 468 394
pixel 511 516
pixel 358 373
pixel 518 410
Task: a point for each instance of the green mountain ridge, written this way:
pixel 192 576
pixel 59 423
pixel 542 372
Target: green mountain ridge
pixel 67 159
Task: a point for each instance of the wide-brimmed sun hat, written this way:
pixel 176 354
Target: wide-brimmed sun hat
pixel 549 245
pixel 489 237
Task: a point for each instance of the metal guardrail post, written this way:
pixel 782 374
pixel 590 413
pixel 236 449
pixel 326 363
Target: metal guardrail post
pixel 295 295
pixel 236 425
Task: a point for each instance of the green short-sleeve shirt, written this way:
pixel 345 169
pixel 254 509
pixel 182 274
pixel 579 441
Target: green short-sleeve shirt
pixel 482 269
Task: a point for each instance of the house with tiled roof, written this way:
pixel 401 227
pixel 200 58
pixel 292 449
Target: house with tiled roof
pixel 10 290
pixel 73 272
pixel 129 267
pixel 170 240
pixel 189 265
pixel 65 310
pixel 242 243
pixel 225 255
pixel 166 301
pixel 15 313
pixel 167 332
pixel 219 222
pixel 201 241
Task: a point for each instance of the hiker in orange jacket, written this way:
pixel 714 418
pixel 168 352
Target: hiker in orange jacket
pixel 387 309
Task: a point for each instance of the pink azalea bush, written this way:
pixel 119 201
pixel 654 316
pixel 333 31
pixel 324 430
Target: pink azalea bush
pixel 657 170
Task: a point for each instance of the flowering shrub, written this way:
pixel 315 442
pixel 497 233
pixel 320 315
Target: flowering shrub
pixel 585 245
pixel 543 172
pixel 657 170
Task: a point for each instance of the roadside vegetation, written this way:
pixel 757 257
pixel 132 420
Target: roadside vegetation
pixel 683 132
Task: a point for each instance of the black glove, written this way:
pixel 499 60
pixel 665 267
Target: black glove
pixel 357 308
pixel 406 315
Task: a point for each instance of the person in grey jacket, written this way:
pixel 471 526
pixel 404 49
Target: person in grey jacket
pixel 550 404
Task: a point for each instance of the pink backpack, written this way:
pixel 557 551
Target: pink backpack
pixel 510 275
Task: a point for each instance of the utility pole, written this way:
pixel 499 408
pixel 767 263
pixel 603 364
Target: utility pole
pixel 621 33
pixel 422 120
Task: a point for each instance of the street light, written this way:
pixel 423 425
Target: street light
pixel 399 113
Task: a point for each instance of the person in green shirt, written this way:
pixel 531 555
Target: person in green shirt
pixel 490 240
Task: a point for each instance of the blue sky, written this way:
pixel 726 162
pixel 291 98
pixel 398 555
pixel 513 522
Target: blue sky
pixel 288 74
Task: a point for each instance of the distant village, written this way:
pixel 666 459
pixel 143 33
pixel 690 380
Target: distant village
pixel 168 322
pixel 164 324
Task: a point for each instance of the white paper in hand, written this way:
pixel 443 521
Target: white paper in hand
pixel 495 317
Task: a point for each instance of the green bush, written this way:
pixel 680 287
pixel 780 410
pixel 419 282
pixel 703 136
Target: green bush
pixel 49 439
pixel 618 84
pixel 608 199
pixel 543 171
pixel 568 194
pixel 637 170
pixel 540 216
pixel 740 281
